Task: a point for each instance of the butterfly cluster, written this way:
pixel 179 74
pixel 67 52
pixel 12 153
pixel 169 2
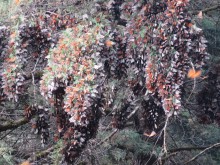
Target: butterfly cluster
pixel 40 124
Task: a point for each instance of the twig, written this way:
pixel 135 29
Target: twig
pixel 164 135
pixel 107 138
pixel 7 134
pixel 206 10
pixel 109 128
pixel 18 137
pixel 168 156
pixel 195 157
pixel 173 152
pixel 164 143
pixel 186 149
pixel 41 154
pixel 133 112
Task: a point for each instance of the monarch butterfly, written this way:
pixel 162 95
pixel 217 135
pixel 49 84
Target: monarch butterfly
pixel 25 163
pixel 17 2
pixel 109 43
pixel 194 74
pixel 153 133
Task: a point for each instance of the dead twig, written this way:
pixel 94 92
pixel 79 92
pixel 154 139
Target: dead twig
pixel 107 138
pixel 208 148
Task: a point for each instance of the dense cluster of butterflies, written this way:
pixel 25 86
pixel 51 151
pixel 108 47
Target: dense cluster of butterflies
pixel 4 38
pixel 139 58
pixel 28 44
pixel 11 80
pixel 173 47
pixel 40 122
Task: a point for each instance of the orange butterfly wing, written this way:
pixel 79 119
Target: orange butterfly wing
pixel 194 74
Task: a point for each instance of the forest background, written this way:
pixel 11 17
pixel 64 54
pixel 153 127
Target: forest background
pixel 109 82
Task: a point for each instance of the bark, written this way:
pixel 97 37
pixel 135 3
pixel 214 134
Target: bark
pixel 12 125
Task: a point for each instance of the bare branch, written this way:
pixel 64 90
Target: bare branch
pixel 208 148
pixel 173 152
pixel 211 8
pixel 206 10
pixel 14 124
pixel 133 112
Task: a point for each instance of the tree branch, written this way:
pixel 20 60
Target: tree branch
pixel 40 154
pixel 186 149
pixel 14 124
pixel 173 152
pixel 195 157
pixel 211 8
pixel 206 10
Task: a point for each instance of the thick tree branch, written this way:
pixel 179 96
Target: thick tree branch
pixel 37 155
pixel 14 124
pixel 190 148
pixel 40 154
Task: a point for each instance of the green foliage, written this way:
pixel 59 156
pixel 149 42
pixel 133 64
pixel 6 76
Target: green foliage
pixel 188 132
pixel 212 33
pixel 124 147
pixel 5 154
pixel 132 141
pixel 207 23
pixel 4 8
pixel 9 11
pixel 56 154
pixel 118 154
